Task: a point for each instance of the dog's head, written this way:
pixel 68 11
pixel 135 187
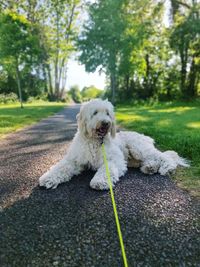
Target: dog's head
pixel 96 119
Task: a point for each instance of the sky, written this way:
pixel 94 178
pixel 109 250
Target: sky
pixel 78 76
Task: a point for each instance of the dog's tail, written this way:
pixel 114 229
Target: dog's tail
pixel 179 160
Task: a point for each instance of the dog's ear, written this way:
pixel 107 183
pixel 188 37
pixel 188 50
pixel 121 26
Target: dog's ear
pixel 81 123
pixel 113 128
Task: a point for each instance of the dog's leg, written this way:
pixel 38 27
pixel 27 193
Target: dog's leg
pixel 162 162
pixel 60 173
pixel 148 157
pixel 151 159
pixel 170 160
pixel 150 165
pixel 100 180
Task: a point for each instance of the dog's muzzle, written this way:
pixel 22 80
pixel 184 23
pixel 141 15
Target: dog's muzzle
pixel 103 129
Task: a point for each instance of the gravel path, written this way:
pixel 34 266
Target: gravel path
pixel 74 225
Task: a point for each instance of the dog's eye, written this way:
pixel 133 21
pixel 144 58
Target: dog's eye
pixel 107 113
pixel 95 113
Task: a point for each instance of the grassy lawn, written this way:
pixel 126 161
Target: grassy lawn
pixel 13 118
pixel 174 126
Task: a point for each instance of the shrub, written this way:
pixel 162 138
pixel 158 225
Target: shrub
pixel 8 98
pixel 91 92
pixel 75 94
pixel 67 98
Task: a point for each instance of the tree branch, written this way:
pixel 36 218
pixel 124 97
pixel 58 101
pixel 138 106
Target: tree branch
pixel 183 4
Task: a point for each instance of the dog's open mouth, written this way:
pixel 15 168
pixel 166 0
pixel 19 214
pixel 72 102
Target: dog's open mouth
pixel 102 131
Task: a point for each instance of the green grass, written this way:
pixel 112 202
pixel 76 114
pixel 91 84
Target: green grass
pixel 174 126
pixel 13 118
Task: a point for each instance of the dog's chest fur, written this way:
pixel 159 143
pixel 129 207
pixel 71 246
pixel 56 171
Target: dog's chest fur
pixel 94 155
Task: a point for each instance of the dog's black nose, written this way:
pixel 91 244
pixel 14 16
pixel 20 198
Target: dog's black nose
pixel 105 123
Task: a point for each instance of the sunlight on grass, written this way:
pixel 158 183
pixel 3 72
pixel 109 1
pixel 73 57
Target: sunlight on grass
pixel 194 124
pixel 178 110
pixel 131 117
pixel 165 122
pixel 33 104
pixel 174 127
pixel 13 118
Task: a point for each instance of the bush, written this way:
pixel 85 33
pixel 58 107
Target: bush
pixel 91 92
pixel 8 98
pixel 42 97
pixel 67 98
pixel 30 99
pixel 75 94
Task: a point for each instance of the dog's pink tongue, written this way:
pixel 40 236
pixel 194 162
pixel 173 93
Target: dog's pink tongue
pixel 102 130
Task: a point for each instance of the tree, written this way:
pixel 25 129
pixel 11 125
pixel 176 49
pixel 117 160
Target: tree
pixel 101 39
pixel 140 51
pixel 114 40
pixel 75 94
pixel 58 37
pixel 17 45
pixel 185 40
pixel 91 92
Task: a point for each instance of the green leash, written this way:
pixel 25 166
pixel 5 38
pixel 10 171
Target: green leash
pixel 114 208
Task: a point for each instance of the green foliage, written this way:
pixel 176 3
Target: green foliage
pixel 91 92
pixel 58 42
pixel 143 58
pixel 17 43
pixel 67 98
pixel 185 40
pixel 7 82
pixel 75 94
pixel 42 98
pixel 102 38
pixel 114 38
pixel 8 98
pixel 36 41
pixel 19 48
pixel 13 31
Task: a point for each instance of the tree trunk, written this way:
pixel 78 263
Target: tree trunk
pixel 57 56
pixel 183 73
pixel 147 82
pixel 113 78
pixel 174 9
pixel 192 83
pixel 45 78
pixel 49 82
pixel 19 84
pixel 183 77
pixel 127 82
pixel 64 82
pixel 113 87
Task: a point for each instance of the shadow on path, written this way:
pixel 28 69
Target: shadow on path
pixel 25 155
pixel 74 225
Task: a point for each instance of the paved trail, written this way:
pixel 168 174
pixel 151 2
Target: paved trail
pixel 74 225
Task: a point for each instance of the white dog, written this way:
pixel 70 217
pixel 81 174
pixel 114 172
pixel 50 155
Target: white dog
pixel 96 124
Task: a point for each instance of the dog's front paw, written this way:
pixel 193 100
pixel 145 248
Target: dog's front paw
pixel 150 167
pixel 99 183
pixel 48 182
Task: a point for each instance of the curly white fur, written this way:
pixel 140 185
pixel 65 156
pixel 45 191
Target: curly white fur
pixel 122 149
